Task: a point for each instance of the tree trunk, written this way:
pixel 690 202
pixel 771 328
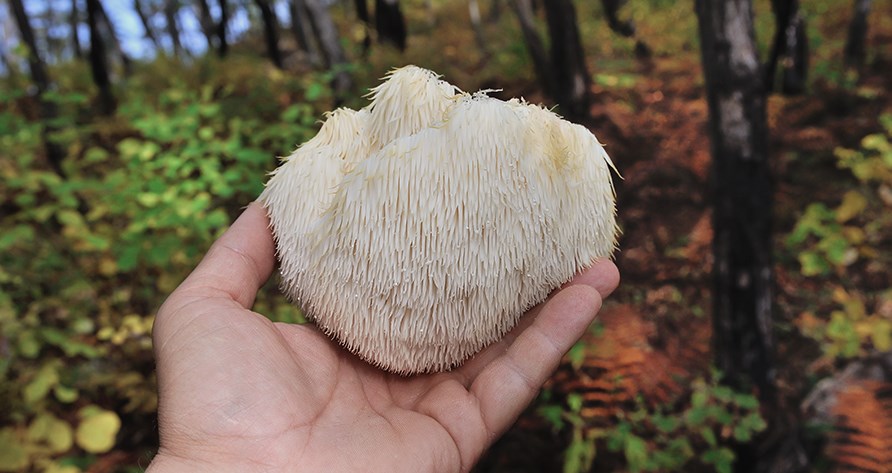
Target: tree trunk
pixel 73 23
pixel 362 12
pixel 271 33
pixel 390 23
pixel 524 12
pixel 790 48
pixel 223 46
pixel 855 52
pixel 47 110
pixel 98 63
pixel 170 15
pixel 297 26
pixel 150 32
pixel 329 42
pixel 495 11
pixel 207 22
pixel 743 341
pixel 572 80
pixel 113 37
pixel 477 25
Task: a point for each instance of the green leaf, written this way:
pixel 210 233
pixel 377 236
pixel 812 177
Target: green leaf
pixel 18 234
pixel 40 386
pixel 95 154
pixel 97 430
pixel 746 401
pixel 553 415
pixel 314 91
pixel 574 402
pixel 721 458
pixel 723 393
pixel 635 451
pixel 579 454
pixel 813 264
pixel 576 355
pixel 753 422
pixel 65 394
pixel 29 345
pixel 665 424
pixel 709 436
pixel 129 256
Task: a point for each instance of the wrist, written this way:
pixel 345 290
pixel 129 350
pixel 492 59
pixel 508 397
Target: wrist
pixel 164 462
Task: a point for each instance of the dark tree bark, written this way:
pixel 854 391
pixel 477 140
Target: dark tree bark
pixel 743 340
pixel 207 22
pixel 223 44
pixel 298 30
pixel 73 22
pixel 171 7
pixel 525 17
pixel 112 35
pixel 572 80
pixel 329 42
pixel 390 23
pixel 98 62
pixel 144 19
pixel 477 25
pixel 495 11
pixel 790 48
pixel 362 12
pixel 35 61
pixel 625 28
pixel 48 110
pixel 271 33
pixel 855 52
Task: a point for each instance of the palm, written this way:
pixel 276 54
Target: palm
pixel 238 390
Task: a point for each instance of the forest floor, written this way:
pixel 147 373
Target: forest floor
pixel 647 358
pixel 656 133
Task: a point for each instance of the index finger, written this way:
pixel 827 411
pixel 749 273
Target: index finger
pixel 238 263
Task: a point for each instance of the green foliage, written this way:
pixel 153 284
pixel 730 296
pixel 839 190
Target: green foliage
pixel 851 330
pixel 88 255
pixel 663 438
pixel 830 240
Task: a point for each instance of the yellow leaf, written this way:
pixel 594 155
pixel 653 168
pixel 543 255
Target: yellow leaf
pixel 854 235
pixel 57 468
pixel 12 453
pixel 840 295
pixel 881 335
pixel 97 430
pixel 853 203
pixel 108 266
pixel 55 432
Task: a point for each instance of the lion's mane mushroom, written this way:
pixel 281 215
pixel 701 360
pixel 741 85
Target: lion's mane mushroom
pixel 417 230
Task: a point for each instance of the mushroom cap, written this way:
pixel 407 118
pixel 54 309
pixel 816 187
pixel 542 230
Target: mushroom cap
pixel 419 229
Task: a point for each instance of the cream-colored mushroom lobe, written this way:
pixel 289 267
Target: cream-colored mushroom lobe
pixel 417 230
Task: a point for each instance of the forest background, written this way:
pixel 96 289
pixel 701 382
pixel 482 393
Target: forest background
pixel 126 149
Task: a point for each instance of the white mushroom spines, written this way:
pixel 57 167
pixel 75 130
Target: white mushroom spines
pixel 417 230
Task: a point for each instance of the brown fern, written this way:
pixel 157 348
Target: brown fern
pixel 626 359
pixel 861 440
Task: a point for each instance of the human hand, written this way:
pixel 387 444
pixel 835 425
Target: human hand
pixel 238 392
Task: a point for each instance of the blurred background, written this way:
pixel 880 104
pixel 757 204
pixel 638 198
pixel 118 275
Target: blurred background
pixel 753 327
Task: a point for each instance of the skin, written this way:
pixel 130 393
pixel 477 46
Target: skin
pixel 240 393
